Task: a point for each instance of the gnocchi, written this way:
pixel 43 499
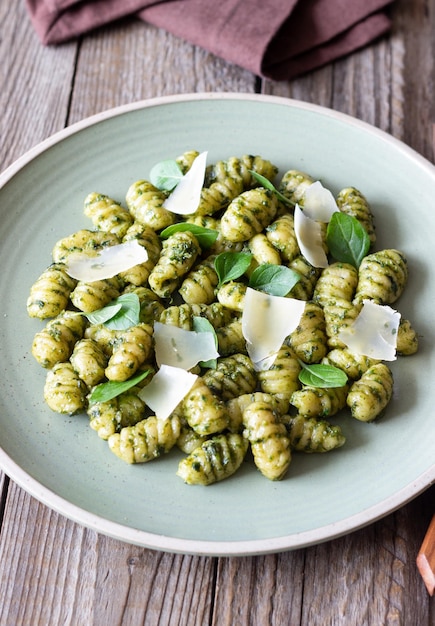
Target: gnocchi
pixel 234 404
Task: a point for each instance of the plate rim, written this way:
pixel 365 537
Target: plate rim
pixel 190 546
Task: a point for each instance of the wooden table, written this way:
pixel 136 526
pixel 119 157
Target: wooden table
pixel 53 571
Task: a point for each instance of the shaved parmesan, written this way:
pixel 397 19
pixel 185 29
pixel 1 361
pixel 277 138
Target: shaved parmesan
pixel 319 203
pixel 167 389
pixel 107 262
pixel 184 200
pixel 182 348
pixel 309 237
pixel 374 332
pixel 266 321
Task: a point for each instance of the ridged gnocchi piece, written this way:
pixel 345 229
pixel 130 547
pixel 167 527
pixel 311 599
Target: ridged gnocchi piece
pixel 225 245
pixel 55 343
pixel 339 314
pixel 145 203
pixel 382 277
pixel 89 360
pixel 83 241
pixel 319 402
pixel 236 406
pixel 186 160
pixel 354 365
pixel 304 288
pixel 106 214
pixel 230 339
pixel 218 195
pixel 103 336
pixel 225 180
pixel 182 315
pixel 147 440
pixel 49 294
pixel 232 295
pixel 131 348
pixel 88 297
pixel 179 253
pixel 268 438
pixel 248 214
pixel 241 167
pixel 64 392
pixel 216 459
pixel 151 307
pixel 311 435
pixel 188 440
pixel 281 234
pixel 352 202
pixel 204 412
pixel 294 184
pixel 308 340
pixel 138 275
pixel 281 379
pixel 338 281
pixel 199 285
pixel 263 251
pixel 407 338
pixel 234 375
pixel 368 396
pixel 109 417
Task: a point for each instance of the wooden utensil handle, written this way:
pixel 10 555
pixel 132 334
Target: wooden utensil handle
pixel 426 558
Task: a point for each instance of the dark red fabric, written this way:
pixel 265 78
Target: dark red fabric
pixel 278 39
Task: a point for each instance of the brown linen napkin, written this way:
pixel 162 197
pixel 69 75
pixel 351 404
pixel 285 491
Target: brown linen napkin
pixel 277 39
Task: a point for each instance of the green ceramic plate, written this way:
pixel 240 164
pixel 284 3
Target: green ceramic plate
pixel 63 463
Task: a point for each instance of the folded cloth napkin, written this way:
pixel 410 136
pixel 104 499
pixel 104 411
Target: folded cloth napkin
pixel 276 39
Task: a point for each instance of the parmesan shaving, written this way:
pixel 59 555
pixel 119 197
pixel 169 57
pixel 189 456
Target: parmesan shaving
pixel 184 200
pixel 166 390
pixel 107 263
pixel 374 332
pixel 319 203
pixel 309 237
pixel 266 321
pixel 182 348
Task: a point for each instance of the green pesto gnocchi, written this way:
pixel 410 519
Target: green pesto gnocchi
pixel 55 343
pixel 214 460
pixel 107 215
pixel 269 441
pixel 234 405
pixel 49 295
pixel 146 440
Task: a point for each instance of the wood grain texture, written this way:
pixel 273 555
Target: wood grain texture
pixel 35 84
pixel 119 65
pixel 53 571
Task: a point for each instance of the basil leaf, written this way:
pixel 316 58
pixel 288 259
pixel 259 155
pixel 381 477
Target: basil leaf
pixel 322 375
pixel 202 325
pixel 276 280
pixel 231 265
pixel 166 175
pixel 107 391
pixel 265 182
pixel 346 239
pixel 101 316
pixel 120 314
pixel 206 236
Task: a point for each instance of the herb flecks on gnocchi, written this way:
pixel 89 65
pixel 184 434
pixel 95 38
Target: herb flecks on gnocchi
pixel 205 272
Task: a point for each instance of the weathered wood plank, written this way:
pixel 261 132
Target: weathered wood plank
pixel 118 65
pixel 35 84
pixel 260 590
pixel 388 84
pixel 370 576
pixel 53 571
